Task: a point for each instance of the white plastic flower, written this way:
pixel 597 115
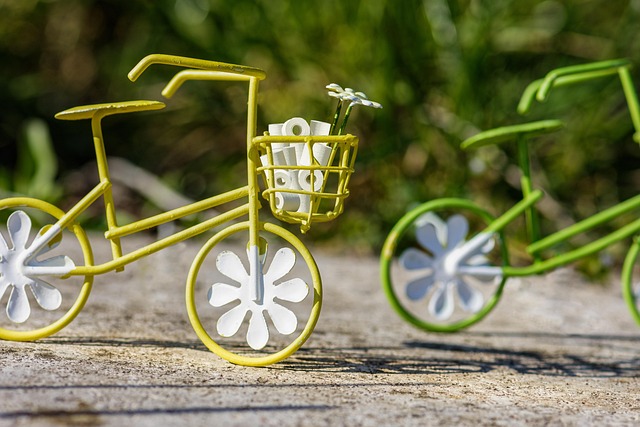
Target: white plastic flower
pixel 449 261
pixel 349 94
pixel 292 290
pixel 20 269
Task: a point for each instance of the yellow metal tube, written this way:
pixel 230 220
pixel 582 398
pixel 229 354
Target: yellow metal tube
pixel 252 175
pixel 103 173
pixel 181 61
pixel 178 213
pixel 161 244
pixel 180 78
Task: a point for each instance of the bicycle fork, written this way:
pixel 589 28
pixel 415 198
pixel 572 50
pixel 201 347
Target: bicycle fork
pixel 256 276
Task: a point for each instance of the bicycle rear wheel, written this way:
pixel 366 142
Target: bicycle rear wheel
pixel 221 306
pixel 40 298
pixel 631 280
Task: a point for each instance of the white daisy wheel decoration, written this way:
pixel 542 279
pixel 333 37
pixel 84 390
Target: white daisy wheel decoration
pixel 449 261
pixel 348 94
pixel 20 269
pixel 257 303
pixel 351 96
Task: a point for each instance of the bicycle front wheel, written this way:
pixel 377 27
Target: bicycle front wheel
pixel 439 270
pixel 39 296
pixel 245 325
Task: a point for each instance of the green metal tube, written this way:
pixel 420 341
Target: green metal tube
pixel 510 215
pixel 632 100
pixel 584 225
pixel 533 228
pixel 569 257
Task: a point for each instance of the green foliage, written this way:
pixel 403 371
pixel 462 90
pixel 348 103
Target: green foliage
pixel 36 167
pixel 442 70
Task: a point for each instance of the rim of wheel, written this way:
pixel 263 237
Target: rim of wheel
pixel 627 278
pixel 387 259
pixel 83 295
pixel 287 351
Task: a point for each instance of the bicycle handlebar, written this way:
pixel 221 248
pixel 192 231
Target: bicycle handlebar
pixel 184 75
pixel 577 73
pixel 567 75
pixel 591 70
pixel 185 62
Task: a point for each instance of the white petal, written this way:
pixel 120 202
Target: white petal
pixel 229 323
pixel 457 229
pixel 283 319
pixel 221 294
pixel 46 295
pixel 477 260
pixel 258 333
pixel 18 308
pixel 483 273
pixel 441 304
pixel 438 223
pixel 19 225
pixel 418 288
pixel 294 290
pixel 282 263
pixel 415 259
pixel 4 249
pixel 51 244
pixel 372 104
pixel 470 299
pixel 230 265
pixel 4 285
pixel 428 239
pixel 488 247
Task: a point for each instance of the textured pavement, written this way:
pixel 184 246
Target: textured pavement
pixel 555 351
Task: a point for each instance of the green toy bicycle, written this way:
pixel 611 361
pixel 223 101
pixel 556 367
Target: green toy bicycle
pixel 445 263
pixel 273 278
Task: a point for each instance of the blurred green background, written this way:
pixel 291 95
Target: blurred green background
pixel 442 69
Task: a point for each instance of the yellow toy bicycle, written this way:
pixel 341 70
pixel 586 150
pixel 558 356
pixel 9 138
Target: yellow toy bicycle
pixel 260 291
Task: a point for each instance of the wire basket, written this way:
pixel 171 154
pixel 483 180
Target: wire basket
pixel 306 177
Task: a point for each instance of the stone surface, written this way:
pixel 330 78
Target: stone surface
pixel 555 351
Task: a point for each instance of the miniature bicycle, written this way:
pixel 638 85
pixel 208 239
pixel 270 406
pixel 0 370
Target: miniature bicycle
pixel 445 263
pixel 223 287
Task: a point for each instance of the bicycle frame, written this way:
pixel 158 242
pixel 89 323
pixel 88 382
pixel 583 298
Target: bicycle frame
pixel 539 90
pixel 540 266
pixel 208 70
pixel 115 232
pixel 441 274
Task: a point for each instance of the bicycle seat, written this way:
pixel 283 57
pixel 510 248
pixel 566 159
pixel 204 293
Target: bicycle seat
pixel 505 133
pixel 88 111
